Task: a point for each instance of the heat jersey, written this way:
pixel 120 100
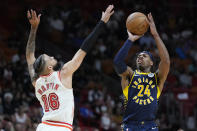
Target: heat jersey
pixel 56 100
pixel 140 97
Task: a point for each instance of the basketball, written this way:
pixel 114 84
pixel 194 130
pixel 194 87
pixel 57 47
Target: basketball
pixel 137 24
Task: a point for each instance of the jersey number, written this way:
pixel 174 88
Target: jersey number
pixel 146 92
pixel 51 102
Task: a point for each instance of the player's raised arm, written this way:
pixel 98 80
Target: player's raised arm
pixel 34 20
pixel 71 66
pixel 164 64
pixel 119 61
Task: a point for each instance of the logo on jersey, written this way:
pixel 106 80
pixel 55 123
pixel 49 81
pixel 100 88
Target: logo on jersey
pixel 154 128
pixel 143 85
pixel 150 75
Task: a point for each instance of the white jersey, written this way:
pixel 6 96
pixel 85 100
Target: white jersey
pixel 56 100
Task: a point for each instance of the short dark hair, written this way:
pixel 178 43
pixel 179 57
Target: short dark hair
pixel 39 64
pixel 153 68
pixel 148 53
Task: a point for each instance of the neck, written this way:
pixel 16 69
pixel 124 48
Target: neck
pixel 47 72
pixel 144 70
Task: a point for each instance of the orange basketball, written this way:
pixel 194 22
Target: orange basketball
pixel 137 24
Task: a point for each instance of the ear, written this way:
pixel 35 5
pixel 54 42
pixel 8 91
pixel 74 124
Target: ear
pixel 50 67
pixel 151 63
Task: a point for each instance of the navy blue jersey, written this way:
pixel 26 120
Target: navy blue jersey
pixel 140 97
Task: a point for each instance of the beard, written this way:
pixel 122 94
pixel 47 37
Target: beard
pixel 141 68
pixel 57 66
pixel 144 68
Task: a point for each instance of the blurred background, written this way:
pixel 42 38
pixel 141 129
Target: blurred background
pixel 97 91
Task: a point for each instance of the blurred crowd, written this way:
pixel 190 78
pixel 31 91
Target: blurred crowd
pixel 97 91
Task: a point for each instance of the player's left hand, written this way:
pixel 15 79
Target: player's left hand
pixel 151 22
pixel 107 14
pixel 34 20
pixel 132 37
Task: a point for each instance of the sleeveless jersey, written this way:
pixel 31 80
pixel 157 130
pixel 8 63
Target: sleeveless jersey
pixel 140 97
pixel 56 100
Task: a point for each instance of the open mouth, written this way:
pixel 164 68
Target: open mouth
pixel 140 61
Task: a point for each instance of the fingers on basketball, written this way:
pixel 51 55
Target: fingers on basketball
pixel 150 18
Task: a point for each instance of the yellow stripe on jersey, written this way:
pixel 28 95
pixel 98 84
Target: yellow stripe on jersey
pixel 155 78
pixel 126 89
pixel 142 73
pixel 125 92
pixel 158 90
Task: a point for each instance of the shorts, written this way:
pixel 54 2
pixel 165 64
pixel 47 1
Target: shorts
pixel 140 126
pixel 51 126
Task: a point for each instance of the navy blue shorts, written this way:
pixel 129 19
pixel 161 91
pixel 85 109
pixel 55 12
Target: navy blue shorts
pixel 140 126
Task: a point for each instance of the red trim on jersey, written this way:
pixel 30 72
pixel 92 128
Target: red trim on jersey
pixel 59 75
pixel 59 122
pixel 57 125
pixel 46 75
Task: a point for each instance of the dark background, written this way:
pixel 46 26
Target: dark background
pixel 98 96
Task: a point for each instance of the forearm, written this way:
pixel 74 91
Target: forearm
pixel 119 64
pixel 92 37
pixel 77 59
pixel 163 52
pixel 71 66
pixel 30 48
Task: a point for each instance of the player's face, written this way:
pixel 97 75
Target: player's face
pixel 50 61
pixel 143 61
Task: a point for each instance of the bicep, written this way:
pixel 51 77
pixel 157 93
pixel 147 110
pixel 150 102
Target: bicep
pixel 128 72
pixel 162 72
pixel 31 73
pixel 71 66
pixel 30 58
pixel 30 61
pixel 124 82
pixel 125 76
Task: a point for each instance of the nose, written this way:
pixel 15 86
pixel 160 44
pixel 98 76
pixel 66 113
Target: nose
pixel 140 57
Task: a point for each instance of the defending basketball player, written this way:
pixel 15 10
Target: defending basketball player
pixel 142 88
pixel 54 88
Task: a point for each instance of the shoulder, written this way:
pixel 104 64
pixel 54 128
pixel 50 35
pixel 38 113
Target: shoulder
pixel 157 78
pixel 127 73
pixel 34 79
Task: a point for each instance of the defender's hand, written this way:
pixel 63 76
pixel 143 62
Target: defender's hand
pixel 151 22
pixel 107 14
pixel 34 20
pixel 133 37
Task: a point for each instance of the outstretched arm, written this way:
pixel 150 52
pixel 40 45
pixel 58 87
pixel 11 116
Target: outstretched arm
pixel 164 64
pixel 30 48
pixel 70 67
pixel 119 64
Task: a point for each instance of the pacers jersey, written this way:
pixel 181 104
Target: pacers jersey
pixel 56 100
pixel 140 97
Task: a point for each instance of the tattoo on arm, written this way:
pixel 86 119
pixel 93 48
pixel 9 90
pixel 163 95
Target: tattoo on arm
pixel 31 42
pixel 30 49
pixel 31 72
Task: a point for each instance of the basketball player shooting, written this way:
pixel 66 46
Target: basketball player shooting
pixel 54 88
pixel 142 88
